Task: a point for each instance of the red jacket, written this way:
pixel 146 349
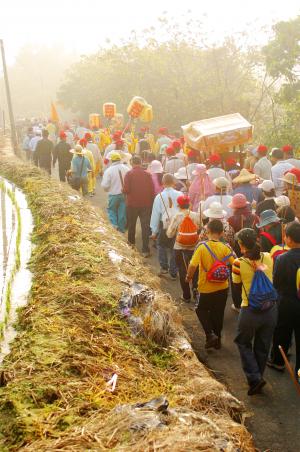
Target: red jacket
pixel 138 188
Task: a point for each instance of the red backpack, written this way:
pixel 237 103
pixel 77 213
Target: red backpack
pixel 187 234
pixel 219 272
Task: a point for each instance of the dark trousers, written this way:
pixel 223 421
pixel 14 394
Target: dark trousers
pixel 62 169
pixel 236 293
pixel 210 311
pixel 182 259
pixel 144 214
pixel 288 323
pixel 253 338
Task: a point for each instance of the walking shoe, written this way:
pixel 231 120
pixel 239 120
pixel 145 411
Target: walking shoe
pixel 218 344
pixel 173 277
pixel 186 300
pixel 211 341
pixel 278 367
pixel 162 272
pixel 256 387
pixel 234 308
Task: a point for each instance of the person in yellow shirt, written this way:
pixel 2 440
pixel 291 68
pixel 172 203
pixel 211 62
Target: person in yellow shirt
pixel 212 295
pixel 255 328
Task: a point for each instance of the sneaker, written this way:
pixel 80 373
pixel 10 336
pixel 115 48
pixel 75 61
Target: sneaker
pixel 218 344
pixel 234 308
pixel 162 272
pixel 186 300
pixel 278 367
pixel 211 341
pixel 256 387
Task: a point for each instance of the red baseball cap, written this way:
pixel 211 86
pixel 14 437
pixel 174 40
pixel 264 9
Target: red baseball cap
pixel 62 134
pixel 261 148
pixel 287 148
pixel 88 136
pixel 176 144
pixel 183 200
pixel 214 158
pixel 83 142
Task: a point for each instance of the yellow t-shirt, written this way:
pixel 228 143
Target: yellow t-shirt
pixel 204 260
pixel 278 248
pixel 242 271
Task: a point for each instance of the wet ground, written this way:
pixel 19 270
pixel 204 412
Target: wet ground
pixel 274 416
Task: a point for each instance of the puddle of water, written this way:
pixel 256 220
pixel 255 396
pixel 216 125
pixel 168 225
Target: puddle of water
pixel 21 283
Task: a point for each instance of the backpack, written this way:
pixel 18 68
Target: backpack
pixel 169 211
pixel 219 272
pixel 187 234
pixel 269 237
pixel 262 295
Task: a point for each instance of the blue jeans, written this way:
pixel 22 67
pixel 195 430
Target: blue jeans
pixel 117 211
pixel 167 263
pixel 254 337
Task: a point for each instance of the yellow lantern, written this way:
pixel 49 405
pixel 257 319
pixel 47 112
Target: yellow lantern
pixel 94 121
pixel 109 110
pixel 136 107
pixel 147 114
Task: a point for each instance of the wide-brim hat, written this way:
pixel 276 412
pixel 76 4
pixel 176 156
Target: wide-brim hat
pixel 155 167
pixel 215 210
pixel 182 173
pixel 290 178
pixel 282 201
pixel 267 217
pixel 221 182
pixel 114 156
pixel 78 150
pixel 239 201
pixel 244 176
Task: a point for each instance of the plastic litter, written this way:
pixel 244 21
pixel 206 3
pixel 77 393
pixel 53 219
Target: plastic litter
pixel 112 383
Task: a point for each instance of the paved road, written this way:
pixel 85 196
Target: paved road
pixel 275 423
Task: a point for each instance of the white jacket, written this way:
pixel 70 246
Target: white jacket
pixel 111 181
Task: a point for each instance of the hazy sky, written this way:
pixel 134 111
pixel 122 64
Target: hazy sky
pixel 84 25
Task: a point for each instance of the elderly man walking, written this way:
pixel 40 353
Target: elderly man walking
pixel 113 183
pixel 43 152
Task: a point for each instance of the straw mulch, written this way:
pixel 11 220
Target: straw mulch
pixel 72 339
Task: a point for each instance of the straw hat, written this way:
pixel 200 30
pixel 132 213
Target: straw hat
pixel 267 217
pixel 200 169
pixel 221 182
pixel 155 167
pixel 238 201
pixel 181 174
pixel 244 176
pixel 290 178
pixel 215 210
pixel 282 201
pixel 78 150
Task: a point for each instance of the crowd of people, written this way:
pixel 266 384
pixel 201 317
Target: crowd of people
pixel 215 222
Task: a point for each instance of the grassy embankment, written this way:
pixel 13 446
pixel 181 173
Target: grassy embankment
pixel 72 339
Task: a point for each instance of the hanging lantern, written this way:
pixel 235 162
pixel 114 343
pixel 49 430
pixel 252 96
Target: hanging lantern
pixel 147 114
pixel 109 110
pixel 136 107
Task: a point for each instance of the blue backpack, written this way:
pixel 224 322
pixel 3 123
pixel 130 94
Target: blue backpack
pixel 262 295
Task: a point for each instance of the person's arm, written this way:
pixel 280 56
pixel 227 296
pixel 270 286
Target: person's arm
pixel 236 277
pixel 194 264
pixel 126 185
pixel 105 184
pixel 279 276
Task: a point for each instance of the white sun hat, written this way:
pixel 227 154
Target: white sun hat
pixel 282 201
pixel 215 210
pixel 155 167
pixel 182 174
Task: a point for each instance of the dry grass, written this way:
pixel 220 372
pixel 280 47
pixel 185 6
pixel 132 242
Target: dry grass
pixel 72 339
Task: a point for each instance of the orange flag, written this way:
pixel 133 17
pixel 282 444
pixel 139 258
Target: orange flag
pixel 54 114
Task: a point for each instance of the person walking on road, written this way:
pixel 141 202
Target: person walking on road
pixel 113 183
pixel 279 168
pixel 61 153
pixel 255 327
pixel 287 283
pixel 164 208
pixel 43 152
pixel 80 167
pixel 184 249
pixel 212 258
pixel 139 191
